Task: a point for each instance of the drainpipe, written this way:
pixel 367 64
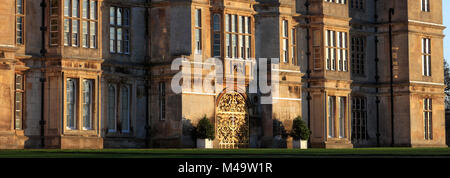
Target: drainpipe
pixel 308 70
pixel 42 80
pixel 377 78
pixel 147 83
pixel 391 12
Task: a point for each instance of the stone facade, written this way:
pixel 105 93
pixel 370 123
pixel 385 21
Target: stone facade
pixel 98 73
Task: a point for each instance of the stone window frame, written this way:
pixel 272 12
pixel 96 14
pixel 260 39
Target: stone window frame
pixel 428 118
pixel 293 46
pixel 336 51
pixel 358 55
pixel 241 32
pixel 118 110
pixel 426 56
pixel 216 35
pixel 90 103
pixel 21 16
pixel 78 110
pixel 18 122
pixel 54 22
pixel 331 116
pixel 124 39
pixel 425 6
pixel 359 118
pixel 284 37
pixel 198 31
pixel 90 34
pixel 342 116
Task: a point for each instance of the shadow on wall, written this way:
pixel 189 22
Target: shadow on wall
pixel 447 127
pixel 279 134
pixel 188 137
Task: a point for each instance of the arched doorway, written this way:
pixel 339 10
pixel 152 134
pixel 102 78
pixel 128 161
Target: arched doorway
pixel 232 125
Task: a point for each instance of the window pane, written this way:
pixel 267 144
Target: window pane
pixel 85 37
pixel 75 27
pixel 87 104
pixel 124 119
pixel 66 32
pixel 93 33
pixel 111 108
pixel 126 16
pixel 75 8
pixel 85 7
pixel 70 103
pixel 112 39
pixel 198 18
pixel 119 17
pixel 216 22
pixel 19 6
pixel 19 82
pixel 112 15
pixel 119 40
pixel 93 7
pixel 126 41
pixel 19 30
pixel 67 8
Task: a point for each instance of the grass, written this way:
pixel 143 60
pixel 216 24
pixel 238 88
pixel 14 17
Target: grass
pixel 236 153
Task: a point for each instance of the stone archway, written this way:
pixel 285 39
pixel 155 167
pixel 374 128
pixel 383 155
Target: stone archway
pixel 232 123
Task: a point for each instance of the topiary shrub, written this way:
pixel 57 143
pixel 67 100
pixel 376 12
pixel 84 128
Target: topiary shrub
pixel 205 130
pixel 299 129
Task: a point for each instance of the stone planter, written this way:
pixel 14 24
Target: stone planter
pixel 302 144
pixel 204 143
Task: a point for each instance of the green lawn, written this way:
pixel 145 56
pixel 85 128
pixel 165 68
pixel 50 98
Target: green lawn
pixel 237 153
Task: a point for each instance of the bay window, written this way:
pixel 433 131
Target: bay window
pixel 78 29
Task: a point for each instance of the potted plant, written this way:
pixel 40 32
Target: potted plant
pixel 204 133
pixel 300 133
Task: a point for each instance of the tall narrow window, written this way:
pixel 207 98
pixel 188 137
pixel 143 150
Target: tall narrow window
pixel 331 50
pixel 336 49
pixel 425 5
pixel 293 46
pixel 428 118
pixel 342 109
pixel 227 35
pixel 125 109
pixel 359 118
pixel 75 28
pixel 198 31
pixel 426 57
pixel 71 106
pixel 112 122
pixel 248 37
pixel 216 35
pixel 20 21
pixel 358 55
pixel 119 32
pixel 285 41
pixel 331 116
pixel 162 101
pixel 89 24
pixel 85 37
pixel 19 98
pixel 87 104
pixel 54 19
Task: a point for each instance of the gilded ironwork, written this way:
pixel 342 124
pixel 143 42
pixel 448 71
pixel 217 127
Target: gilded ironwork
pixel 232 121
